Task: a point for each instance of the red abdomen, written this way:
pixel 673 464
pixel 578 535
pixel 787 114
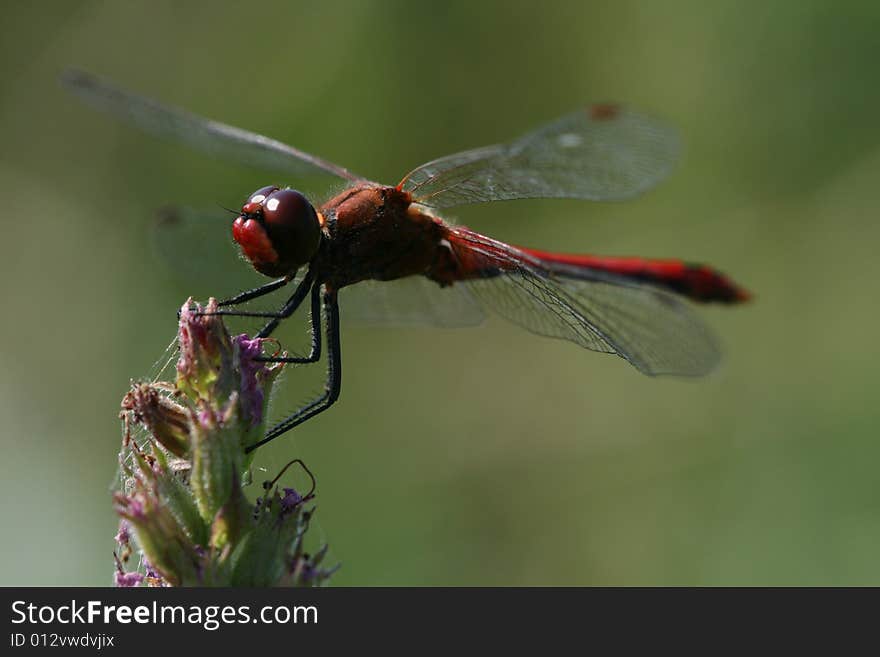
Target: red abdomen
pixel 695 281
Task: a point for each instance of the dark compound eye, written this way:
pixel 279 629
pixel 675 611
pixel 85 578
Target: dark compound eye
pixel 293 226
pixel 278 231
pixel 260 195
pixel 288 208
pixel 255 200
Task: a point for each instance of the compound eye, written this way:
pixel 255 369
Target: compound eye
pixel 292 224
pixel 260 195
pixel 288 208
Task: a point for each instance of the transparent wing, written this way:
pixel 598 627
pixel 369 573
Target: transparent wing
pixel 655 331
pixel 603 152
pixel 216 139
pixel 194 248
pixel 411 301
pixel 197 247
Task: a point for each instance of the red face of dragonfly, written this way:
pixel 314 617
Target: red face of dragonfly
pixel 278 231
pixel 389 237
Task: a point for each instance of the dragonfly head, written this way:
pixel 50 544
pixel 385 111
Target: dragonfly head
pixel 278 230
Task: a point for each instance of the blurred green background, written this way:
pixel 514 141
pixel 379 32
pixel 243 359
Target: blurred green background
pixel 483 456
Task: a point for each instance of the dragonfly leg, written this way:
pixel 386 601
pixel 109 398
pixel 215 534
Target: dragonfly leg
pixel 290 307
pixel 315 327
pixel 334 376
pixel 286 311
pixel 246 296
pixel 256 292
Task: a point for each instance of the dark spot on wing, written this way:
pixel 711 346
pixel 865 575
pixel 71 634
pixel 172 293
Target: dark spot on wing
pixel 603 111
pixel 168 216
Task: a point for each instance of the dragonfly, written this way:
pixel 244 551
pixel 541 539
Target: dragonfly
pixel 379 236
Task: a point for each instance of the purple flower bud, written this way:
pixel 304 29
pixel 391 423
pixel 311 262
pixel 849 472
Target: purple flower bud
pixel 128 579
pixel 252 372
pixel 290 500
pixel 123 536
pixel 308 573
pixel 150 571
pixel 132 506
pixel 204 368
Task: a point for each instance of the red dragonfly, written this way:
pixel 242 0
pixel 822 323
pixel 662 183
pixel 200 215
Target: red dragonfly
pixel 633 307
